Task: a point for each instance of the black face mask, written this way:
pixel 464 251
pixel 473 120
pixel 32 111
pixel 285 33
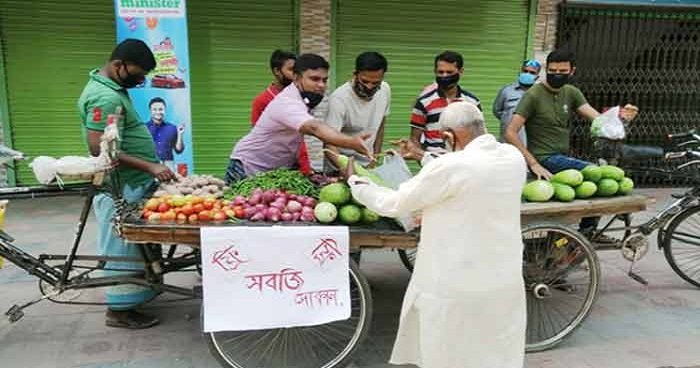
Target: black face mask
pixel 131 80
pixel 363 91
pixel 447 81
pixel 556 80
pixel 311 99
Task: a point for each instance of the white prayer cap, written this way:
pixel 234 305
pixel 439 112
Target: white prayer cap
pixel 462 114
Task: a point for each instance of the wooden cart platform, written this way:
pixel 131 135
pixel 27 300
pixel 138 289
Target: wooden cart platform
pixel 387 234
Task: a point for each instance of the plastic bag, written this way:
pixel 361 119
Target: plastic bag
pixel 608 125
pixel 47 169
pixel 393 172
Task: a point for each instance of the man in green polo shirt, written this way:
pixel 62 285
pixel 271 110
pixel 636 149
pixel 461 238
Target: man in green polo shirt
pixel 104 94
pixel 545 111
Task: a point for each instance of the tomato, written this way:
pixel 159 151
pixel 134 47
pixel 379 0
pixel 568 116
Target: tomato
pixel 196 200
pixel 219 216
pixel 152 204
pixel 163 207
pixel 198 208
pixel 168 216
pixel 147 214
pixel 193 218
pixel 154 217
pixel 181 218
pixel 205 215
pixel 208 205
pixel 187 209
pixel 239 211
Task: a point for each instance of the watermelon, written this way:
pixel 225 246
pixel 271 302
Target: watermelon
pixel 612 172
pixel 586 190
pixel 563 192
pixel 592 173
pixel 349 214
pixel 570 177
pixel 336 193
pixel 538 191
pixel 626 186
pixel 607 188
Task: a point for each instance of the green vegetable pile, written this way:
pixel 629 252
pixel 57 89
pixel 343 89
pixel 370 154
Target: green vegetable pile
pixel 567 185
pixel 290 180
pixel 336 202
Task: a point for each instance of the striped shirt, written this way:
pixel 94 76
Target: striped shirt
pixel 426 114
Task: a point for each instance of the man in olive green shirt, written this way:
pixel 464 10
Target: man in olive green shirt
pixel 105 95
pixel 545 111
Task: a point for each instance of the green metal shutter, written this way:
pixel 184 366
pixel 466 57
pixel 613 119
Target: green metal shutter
pixel 230 47
pixel 49 48
pixel 490 34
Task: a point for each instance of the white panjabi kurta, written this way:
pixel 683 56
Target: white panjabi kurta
pixel 465 303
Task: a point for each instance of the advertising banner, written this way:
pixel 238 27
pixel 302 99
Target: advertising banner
pixel 163 101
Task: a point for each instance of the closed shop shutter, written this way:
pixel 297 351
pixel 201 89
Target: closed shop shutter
pixel 490 34
pixel 49 47
pixel 230 47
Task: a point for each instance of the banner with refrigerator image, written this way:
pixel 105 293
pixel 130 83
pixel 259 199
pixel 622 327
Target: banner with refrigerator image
pixel 163 101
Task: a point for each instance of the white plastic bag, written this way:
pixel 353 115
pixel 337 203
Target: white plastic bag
pixel 47 169
pixel 393 172
pixel 608 125
pixel 44 168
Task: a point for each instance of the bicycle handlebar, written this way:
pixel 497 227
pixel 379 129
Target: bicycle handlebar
pixel 675 155
pixel 690 133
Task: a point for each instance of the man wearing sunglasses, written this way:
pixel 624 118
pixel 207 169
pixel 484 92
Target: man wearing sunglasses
pixel 509 96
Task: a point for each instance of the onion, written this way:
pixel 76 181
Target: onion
pixel 310 202
pixel 307 209
pixel 278 205
pixel 249 212
pixel 307 217
pixel 296 216
pixel 257 191
pixel 259 216
pixel 260 207
pixel 239 200
pixel 255 199
pixel 273 214
pixel 294 206
pixel 268 196
pixel 286 217
pixel 292 197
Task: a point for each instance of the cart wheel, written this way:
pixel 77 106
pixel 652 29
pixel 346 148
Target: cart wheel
pixel 408 257
pixel 682 245
pixel 561 273
pixel 324 346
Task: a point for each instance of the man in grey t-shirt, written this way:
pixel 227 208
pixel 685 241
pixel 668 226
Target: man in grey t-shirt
pixel 361 105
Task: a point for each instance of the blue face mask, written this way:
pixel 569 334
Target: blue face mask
pixel 526 79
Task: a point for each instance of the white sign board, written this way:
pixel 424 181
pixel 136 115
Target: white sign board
pixel 272 277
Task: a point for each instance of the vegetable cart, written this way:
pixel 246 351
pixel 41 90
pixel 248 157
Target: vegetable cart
pixel 560 268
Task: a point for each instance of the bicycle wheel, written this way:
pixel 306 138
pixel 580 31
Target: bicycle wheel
pixel 323 346
pixel 408 257
pixel 561 273
pixel 682 245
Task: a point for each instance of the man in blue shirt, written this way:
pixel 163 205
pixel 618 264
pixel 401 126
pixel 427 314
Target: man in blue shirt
pixel 509 96
pixel 166 136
